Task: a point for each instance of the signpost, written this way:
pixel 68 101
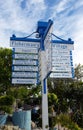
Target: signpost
pixel 35 59
pixel 45 29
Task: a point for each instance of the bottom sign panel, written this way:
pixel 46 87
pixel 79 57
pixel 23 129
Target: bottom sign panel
pixel 24 81
pixel 25 74
pixel 61 75
pixel 61 69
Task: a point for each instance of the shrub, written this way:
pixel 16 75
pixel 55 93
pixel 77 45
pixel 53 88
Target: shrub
pixel 6 103
pixel 78 118
pixel 65 121
pixel 7 109
pixel 6 100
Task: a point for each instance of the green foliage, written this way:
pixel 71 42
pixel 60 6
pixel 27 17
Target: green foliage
pixel 35 91
pixel 69 93
pixel 79 72
pixel 18 92
pixel 6 100
pixel 21 92
pixel 7 109
pixel 5 68
pixel 52 99
pixel 63 93
pixel 66 121
pixel 78 118
pixel 63 105
pixel 52 122
pixel 6 103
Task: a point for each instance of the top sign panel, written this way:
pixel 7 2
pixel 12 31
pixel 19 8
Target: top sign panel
pixel 25 44
pixel 62 46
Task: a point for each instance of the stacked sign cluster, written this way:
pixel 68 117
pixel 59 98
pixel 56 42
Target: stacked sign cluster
pixel 62 62
pixel 25 62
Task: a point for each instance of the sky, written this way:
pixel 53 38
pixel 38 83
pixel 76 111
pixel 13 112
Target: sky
pixel 20 17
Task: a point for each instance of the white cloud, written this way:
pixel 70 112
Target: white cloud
pixel 61 6
pixel 70 24
pixel 66 15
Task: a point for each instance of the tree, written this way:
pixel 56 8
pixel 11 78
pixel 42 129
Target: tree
pixel 65 121
pixel 5 68
pixel 79 72
pixel 69 93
